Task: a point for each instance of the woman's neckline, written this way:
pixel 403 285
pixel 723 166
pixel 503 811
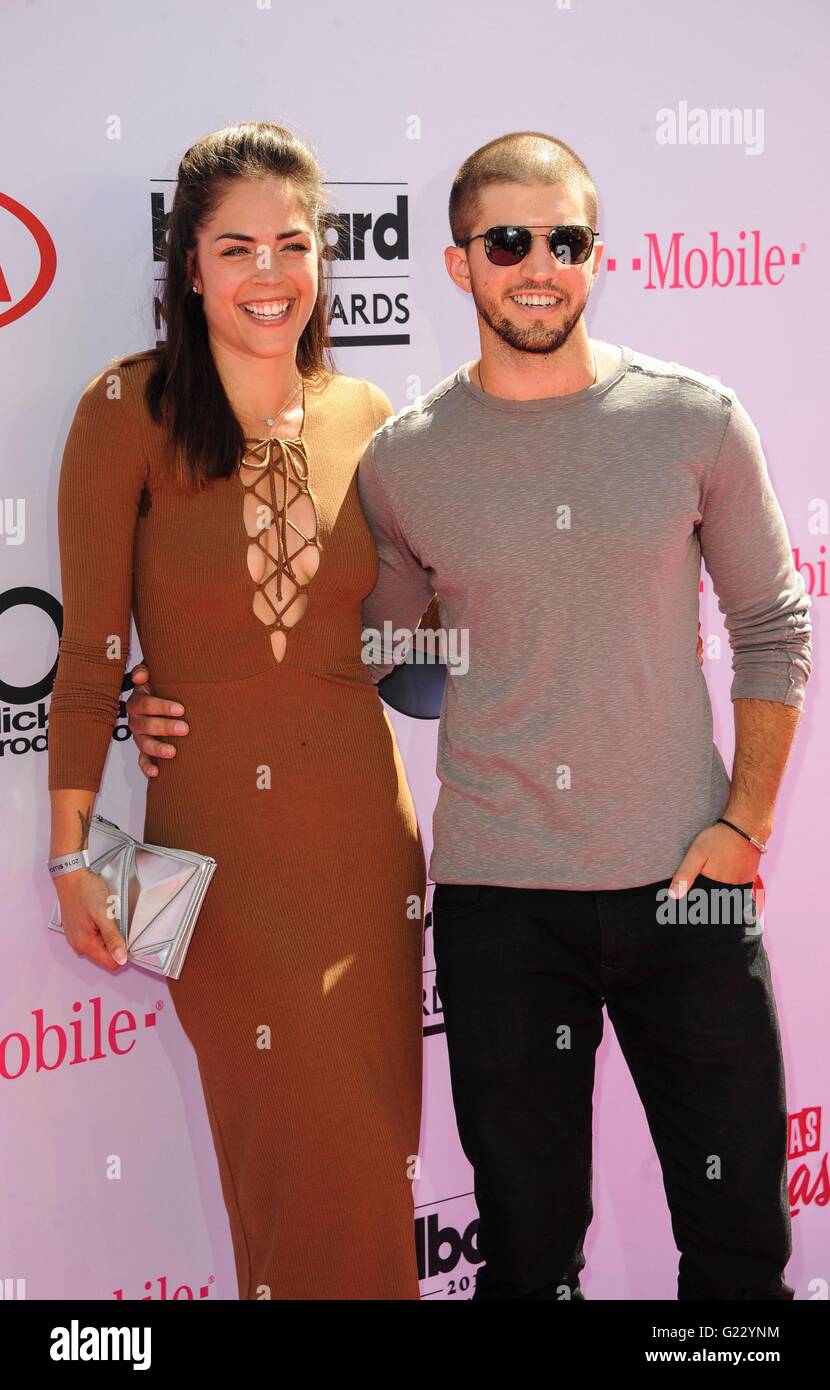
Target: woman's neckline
pixel 284 438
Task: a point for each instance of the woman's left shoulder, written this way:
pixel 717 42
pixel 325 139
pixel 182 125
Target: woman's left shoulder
pixel 381 404
pixel 356 393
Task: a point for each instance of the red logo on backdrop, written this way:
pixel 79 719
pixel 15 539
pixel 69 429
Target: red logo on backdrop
pixel 810 1182
pixel 184 1291
pixel 89 1037
pixel 48 264
pixel 673 263
pixel 813 572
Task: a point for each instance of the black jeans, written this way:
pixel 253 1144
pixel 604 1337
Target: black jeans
pixel 523 974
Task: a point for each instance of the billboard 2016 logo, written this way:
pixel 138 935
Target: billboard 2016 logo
pixel 370 272
pixel 447 1249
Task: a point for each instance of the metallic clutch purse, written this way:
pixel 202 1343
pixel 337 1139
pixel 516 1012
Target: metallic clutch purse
pixel 159 893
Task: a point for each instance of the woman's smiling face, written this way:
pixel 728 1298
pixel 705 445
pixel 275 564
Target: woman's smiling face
pixel 256 268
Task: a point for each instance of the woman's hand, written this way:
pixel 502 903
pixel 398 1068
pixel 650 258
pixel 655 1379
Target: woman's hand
pixel 90 918
pixel 145 713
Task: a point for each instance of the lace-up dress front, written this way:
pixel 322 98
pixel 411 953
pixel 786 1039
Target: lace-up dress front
pixel 281 520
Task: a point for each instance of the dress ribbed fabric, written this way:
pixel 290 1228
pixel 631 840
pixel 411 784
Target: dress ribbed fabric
pixel 301 989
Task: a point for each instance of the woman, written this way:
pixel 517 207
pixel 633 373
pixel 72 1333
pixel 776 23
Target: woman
pixel 216 475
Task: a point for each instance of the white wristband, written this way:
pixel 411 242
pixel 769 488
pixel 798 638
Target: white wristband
pixel 66 863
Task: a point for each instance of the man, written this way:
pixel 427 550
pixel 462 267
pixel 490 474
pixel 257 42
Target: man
pixel 558 495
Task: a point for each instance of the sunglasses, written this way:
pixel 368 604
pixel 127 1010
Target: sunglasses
pixel 510 245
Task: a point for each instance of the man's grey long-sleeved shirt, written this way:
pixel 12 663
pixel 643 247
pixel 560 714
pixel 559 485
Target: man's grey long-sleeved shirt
pixel 565 535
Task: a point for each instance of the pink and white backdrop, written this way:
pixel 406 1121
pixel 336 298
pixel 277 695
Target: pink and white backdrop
pixel 705 129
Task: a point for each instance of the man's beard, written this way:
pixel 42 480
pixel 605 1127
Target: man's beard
pixel 536 337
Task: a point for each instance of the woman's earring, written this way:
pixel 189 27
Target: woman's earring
pixel 195 291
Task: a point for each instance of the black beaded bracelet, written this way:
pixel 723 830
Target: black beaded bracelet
pixel 752 840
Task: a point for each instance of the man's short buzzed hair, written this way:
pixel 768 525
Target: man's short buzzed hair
pixel 523 156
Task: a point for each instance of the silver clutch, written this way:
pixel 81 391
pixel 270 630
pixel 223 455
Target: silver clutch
pixel 158 894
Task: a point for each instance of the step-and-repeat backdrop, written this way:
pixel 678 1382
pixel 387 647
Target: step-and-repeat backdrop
pixel 705 131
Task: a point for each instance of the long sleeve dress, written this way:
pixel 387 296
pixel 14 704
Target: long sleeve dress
pixel 301 989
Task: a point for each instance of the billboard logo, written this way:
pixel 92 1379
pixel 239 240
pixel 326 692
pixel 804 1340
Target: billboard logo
pixel 370 299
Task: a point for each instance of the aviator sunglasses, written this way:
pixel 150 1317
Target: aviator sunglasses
pixel 510 245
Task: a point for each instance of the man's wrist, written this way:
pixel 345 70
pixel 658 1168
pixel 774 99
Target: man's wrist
pixel 749 820
pixel 752 826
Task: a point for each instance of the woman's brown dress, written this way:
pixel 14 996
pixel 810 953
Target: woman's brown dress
pixel 301 990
